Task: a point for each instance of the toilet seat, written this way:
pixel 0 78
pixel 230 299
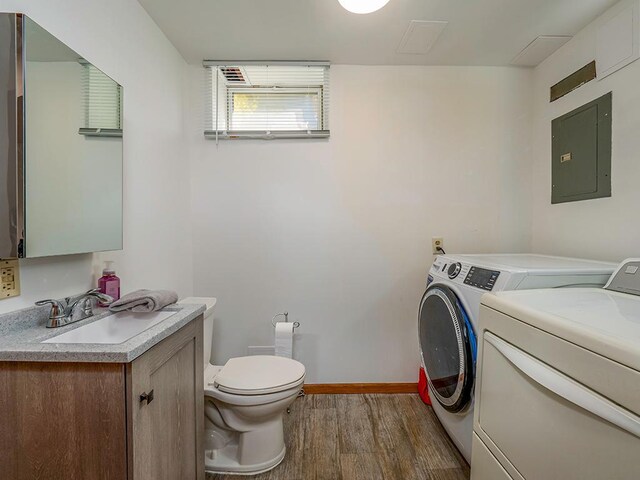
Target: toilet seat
pixel 259 375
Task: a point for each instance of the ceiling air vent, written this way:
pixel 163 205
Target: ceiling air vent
pixel 538 50
pixel 420 36
pixel 233 75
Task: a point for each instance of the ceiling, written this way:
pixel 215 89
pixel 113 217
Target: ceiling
pixel 480 32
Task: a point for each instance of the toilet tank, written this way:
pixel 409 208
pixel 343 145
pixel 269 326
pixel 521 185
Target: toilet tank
pixel 210 303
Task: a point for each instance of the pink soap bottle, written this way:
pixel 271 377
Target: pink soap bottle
pixel 108 283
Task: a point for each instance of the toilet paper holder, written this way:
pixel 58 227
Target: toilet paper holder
pixel 286 319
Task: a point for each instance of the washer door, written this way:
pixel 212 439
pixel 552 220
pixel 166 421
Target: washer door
pixel 448 347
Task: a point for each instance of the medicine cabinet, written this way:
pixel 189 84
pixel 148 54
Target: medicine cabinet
pixel 60 147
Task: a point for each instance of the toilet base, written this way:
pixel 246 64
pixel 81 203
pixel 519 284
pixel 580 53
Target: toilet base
pixel 225 461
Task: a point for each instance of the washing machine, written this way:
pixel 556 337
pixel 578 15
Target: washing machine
pixel 449 311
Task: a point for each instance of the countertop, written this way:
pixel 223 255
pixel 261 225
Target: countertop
pixel 22 332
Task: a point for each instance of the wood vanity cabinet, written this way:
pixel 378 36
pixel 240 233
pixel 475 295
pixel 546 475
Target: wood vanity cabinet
pixel 106 421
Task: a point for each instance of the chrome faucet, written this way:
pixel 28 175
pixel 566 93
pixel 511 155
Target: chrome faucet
pixel 73 309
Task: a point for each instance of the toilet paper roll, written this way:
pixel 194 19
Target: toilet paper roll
pixel 284 339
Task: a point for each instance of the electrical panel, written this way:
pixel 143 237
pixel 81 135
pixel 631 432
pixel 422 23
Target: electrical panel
pixel 581 153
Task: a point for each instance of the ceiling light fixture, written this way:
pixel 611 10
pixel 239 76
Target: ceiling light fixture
pixel 363 6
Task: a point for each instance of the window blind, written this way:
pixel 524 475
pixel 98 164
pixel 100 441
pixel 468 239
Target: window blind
pixel 278 100
pixel 102 103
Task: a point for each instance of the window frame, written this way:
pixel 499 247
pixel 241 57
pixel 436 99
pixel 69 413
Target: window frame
pixel 212 102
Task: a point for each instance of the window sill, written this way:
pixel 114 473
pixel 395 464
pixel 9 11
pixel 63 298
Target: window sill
pixel 262 135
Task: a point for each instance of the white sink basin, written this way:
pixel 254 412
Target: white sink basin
pixel 115 328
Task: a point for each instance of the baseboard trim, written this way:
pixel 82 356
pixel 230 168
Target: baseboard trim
pixel 347 388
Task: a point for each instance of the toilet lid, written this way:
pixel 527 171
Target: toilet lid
pixel 259 374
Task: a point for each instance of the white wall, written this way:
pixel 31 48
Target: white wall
pixel 120 38
pixel 338 232
pixel 605 228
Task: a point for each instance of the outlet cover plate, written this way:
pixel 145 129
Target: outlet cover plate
pixel 436 243
pixel 10 278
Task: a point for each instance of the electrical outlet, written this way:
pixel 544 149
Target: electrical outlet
pixel 10 278
pixel 437 245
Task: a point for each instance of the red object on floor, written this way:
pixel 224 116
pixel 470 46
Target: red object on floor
pixel 423 388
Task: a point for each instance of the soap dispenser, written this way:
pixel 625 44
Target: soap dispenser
pixel 109 284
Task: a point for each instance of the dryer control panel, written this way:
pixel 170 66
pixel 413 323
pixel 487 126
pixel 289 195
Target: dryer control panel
pixel 482 278
pixel 626 279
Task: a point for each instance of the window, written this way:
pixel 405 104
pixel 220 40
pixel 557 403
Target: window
pixel 102 103
pixel 279 100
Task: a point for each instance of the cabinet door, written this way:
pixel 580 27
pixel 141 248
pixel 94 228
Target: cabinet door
pixel 165 404
pixel 62 421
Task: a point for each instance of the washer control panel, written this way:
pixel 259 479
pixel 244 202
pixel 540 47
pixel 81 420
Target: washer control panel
pixel 482 278
pixel 454 271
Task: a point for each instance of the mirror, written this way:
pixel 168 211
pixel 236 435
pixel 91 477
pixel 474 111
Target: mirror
pixel 72 150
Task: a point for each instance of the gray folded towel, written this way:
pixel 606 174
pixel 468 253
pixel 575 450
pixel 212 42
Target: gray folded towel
pixel 144 301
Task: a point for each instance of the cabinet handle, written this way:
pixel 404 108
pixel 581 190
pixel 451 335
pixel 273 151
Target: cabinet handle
pixel 146 397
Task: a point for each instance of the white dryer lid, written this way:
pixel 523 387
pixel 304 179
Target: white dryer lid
pixel 605 322
pixel 259 374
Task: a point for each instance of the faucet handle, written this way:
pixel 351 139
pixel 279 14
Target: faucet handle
pixel 75 298
pixel 85 302
pixel 102 297
pixel 57 308
pixel 93 293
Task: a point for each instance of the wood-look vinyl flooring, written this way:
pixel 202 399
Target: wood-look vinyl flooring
pixel 364 437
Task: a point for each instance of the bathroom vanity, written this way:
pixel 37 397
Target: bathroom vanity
pixel 113 411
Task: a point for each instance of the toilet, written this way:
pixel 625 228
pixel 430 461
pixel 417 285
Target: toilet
pixel 244 404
